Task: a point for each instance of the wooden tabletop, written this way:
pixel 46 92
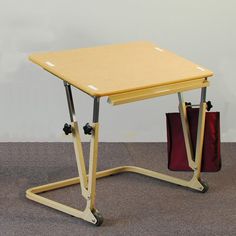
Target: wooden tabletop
pixel 113 69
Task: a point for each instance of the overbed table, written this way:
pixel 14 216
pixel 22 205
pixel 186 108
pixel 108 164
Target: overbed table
pixel 124 73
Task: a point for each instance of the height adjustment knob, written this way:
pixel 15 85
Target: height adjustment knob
pixel 67 129
pixel 209 105
pixel 88 129
pixel 188 104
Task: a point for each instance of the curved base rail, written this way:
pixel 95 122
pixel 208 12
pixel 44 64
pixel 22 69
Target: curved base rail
pixel 87 214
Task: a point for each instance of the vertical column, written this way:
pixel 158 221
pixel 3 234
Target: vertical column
pixel 77 141
pixel 200 133
pixel 93 155
pixel 186 131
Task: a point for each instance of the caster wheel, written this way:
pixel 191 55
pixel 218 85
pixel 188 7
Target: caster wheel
pixel 98 217
pixel 205 186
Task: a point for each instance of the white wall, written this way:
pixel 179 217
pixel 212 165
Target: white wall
pixel 32 102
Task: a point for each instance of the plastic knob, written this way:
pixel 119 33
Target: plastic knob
pixel 188 104
pixel 67 129
pixel 209 105
pixel 88 129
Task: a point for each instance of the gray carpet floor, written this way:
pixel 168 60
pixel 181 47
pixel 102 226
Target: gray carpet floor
pixel 131 204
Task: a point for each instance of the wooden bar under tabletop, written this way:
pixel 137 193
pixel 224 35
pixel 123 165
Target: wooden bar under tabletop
pixel 156 91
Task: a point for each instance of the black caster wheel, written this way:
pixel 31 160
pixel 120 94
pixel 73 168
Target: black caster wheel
pixel 205 186
pixel 98 217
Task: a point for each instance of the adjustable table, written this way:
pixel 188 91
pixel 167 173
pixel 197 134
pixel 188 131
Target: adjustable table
pixel 124 73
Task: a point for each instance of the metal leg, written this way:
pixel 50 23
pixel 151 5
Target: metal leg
pixel 186 131
pixel 88 185
pixel 195 163
pixel 77 143
pixel 93 156
pixel 200 133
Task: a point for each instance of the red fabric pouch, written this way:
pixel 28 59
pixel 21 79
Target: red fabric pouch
pixel 177 156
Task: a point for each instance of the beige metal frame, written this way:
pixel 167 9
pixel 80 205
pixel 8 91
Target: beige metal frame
pixel 88 181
